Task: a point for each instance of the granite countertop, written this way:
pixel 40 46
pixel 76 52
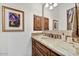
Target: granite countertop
pixel 57 45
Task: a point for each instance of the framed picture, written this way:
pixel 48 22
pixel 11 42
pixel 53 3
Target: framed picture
pixel 12 19
pixel 55 24
pixel 70 18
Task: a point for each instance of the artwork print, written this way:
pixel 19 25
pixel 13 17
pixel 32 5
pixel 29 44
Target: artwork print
pixel 55 25
pixel 14 19
pixel 70 17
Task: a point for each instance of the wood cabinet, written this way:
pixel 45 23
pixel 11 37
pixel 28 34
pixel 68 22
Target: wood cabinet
pixel 43 50
pixel 33 47
pixel 39 49
pixel 46 23
pixel 38 23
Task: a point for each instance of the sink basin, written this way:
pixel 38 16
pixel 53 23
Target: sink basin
pixel 64 46
pixel 44 37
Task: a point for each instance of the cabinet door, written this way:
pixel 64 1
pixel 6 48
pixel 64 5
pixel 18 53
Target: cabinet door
pixel 37 23
pixel 43 50
pixel 37 52
pixel 40 50
pixel 33 48
pixel 46 24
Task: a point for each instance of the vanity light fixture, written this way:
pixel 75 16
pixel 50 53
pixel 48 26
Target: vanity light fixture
pixel 50 5
pixel 55 4
pixel 47 5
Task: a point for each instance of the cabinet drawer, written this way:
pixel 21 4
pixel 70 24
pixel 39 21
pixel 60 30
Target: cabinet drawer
pixel 44 50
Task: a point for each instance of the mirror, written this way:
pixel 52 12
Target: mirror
pixel 47 12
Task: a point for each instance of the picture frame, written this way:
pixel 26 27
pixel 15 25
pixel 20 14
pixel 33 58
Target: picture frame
pixel 70 18
pixel 55 24
pixel 12 20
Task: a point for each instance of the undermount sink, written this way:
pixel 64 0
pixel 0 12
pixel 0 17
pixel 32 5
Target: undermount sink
pixel 64 45
pixel 44 37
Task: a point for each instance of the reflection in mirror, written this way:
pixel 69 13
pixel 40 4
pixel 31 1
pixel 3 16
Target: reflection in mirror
pixel 47 12
pixel 55 24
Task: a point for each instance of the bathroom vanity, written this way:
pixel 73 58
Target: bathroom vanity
pixel 57 42
pixel 46 46
pixel 38 49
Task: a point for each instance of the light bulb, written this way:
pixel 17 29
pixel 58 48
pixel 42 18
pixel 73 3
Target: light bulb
pixel 51 7
pixel 46 5
pixel 55 4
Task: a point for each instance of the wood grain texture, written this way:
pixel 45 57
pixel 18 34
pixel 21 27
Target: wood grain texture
pixel 39 49
pixel 38 23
